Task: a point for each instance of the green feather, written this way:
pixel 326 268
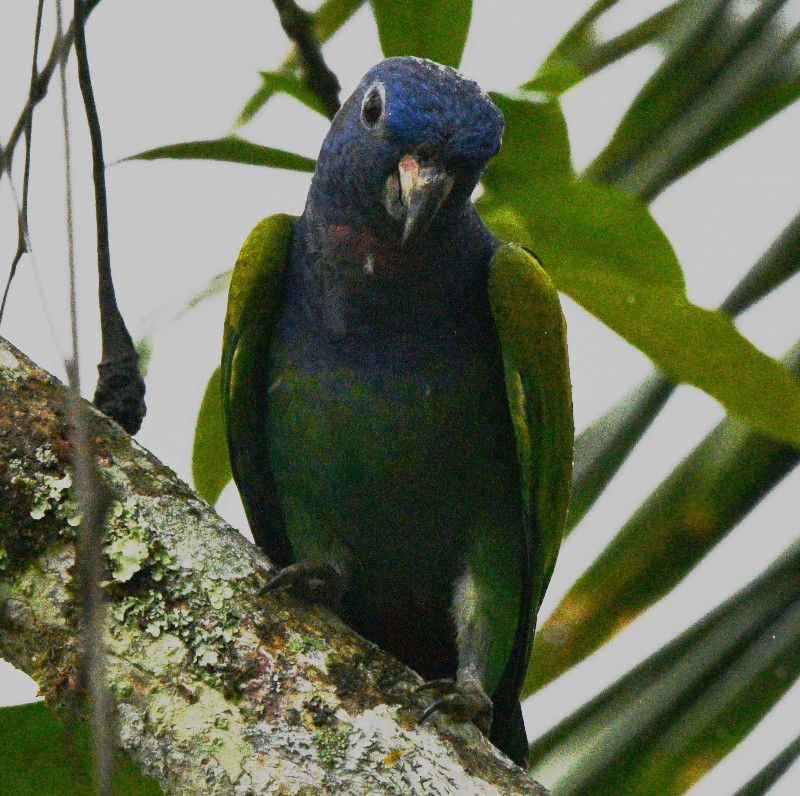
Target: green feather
pixel 533 339
pixel 255 300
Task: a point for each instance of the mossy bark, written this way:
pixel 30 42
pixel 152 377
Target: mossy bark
pixel 218 688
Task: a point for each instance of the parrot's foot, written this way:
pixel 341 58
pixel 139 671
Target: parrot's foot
pixel 467 701
pixel 315 581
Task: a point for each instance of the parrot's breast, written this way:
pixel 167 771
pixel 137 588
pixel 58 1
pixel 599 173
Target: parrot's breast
pixel 387 466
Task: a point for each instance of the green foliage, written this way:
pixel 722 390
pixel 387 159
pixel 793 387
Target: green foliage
pixel 604 249
pixel 667 722
pixel 231 149
pixel 211 469
pixel 724 73
pixel 772 772
pixel 328 18
pixel 435 29
pixel 601 448
pixel 695 507
pixel 581 52
pixel 275 82
pixel 35 759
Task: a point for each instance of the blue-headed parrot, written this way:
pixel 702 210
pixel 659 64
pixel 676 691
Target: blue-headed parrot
pixel 397 398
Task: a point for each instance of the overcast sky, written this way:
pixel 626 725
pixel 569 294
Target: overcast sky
pixel 174 71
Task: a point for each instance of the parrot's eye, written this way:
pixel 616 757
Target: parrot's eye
pixel 373 105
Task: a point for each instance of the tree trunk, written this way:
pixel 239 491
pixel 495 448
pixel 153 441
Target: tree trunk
pixel 218 688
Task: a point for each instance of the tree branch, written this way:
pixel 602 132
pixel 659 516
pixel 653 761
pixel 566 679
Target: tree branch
pixel 22 220
pixel 320 79
pixel 120 387
pixel 218 688
pixel 38 91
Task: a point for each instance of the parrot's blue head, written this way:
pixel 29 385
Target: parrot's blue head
pixel 406 148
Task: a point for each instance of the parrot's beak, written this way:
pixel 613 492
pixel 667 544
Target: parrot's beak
pixel 423 190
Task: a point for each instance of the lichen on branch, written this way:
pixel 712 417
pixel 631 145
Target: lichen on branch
pixel 218 688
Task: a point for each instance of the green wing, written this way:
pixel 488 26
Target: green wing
pixel 255 300
pixel 533 339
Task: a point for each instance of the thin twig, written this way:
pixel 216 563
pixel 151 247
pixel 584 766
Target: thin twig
pixel 320 79
pixel 39 90
pixel 120 387
pixel 92 496
pixel 22 239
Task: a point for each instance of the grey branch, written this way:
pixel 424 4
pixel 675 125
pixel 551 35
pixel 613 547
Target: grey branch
pixel 297 25
pixel 217 688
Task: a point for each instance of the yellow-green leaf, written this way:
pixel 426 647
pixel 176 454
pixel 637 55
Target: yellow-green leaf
pixel 435 29
pixel 604 249
pixel 230 149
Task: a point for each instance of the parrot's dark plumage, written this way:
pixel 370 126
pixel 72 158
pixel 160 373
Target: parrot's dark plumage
pixel 397 399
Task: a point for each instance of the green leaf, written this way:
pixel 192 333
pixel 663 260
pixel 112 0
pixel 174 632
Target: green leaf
pixel 172 310
pixel 555 76
pixel 766 102
pixel 601 449
pixel 669 90
pixel 777 265
pixel 273 83
pixel 435 29
pixel 706 495
pixel 693 345
pixel 230 149
pixel 604 249
pixel 667 722
pixel 582 52
pixel 724 74
pixel 582 34
pixel 35 761
pixel 331 16
pixel 326 20
pixel 211 469
pixel 772 772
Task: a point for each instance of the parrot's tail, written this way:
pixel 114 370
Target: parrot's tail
pixel 508 733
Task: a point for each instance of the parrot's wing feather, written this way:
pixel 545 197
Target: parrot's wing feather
pixel 255 300
pixel 532 333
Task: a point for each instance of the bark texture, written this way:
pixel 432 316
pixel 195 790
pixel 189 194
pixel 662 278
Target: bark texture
pixel 218 689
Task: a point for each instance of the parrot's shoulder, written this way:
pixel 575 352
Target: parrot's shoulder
pixel 533 339
pixel 524 299
pixel 258 275
pixel 255 301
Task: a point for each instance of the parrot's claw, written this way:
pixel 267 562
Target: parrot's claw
pixel 315 581
pixel 467 702
pixel 445 683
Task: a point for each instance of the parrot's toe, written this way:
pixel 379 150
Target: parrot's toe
pixel 314 581
pixel 445 683
pixel 467 702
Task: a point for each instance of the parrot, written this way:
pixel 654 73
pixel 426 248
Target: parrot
pixel 396 396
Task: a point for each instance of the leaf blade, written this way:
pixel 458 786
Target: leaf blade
pixel 230 149
pixel 35 760
pixel 661 726
pixel 326 20
pixel 703 498
pixel 604 249
pixel 279 82
pixel 601 448
pixel 436 29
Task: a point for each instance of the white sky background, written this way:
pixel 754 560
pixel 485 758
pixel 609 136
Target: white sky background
pixel 175 71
